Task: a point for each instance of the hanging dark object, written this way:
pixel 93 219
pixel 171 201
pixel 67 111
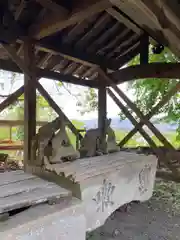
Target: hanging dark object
pixel 9 28
pixel 157 49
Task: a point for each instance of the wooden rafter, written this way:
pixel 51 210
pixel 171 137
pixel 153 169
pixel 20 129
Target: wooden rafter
pixel 103 38
pixel 57 22
pixel 120 18
pixel 151 70
pixel 79 56
pixel 102 21
pixel 53 6
pixel 45 73
pixel 155 18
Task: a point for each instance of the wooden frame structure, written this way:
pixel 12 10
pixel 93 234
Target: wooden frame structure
pixel 86 42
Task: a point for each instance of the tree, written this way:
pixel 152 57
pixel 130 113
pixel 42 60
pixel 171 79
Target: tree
pixel 148 92
pixel 88 101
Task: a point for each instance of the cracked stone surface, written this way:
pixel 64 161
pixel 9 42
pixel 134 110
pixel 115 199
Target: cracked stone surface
pixel 157 219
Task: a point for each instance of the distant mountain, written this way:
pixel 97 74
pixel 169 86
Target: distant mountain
pixel 126 125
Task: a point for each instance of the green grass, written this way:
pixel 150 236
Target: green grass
pixel 120 134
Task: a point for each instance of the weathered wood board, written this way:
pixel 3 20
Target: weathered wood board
pixel 18 189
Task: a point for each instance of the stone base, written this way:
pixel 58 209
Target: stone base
pixel 64 221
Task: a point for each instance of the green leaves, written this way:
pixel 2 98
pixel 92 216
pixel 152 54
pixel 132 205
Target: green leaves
pixel 148 92
pixel 88 101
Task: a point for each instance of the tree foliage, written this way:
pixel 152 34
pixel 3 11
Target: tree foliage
pixel 148 92
pixel 88 101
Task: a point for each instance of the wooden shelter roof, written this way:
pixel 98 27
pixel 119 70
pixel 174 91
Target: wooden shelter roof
pixel 74 38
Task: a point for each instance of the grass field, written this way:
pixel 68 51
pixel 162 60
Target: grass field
pixel 136 140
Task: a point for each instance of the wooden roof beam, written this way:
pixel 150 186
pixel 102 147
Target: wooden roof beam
pixel 79 56
pixel 53 6
pixel 120 18
pixel 151 70
pixel 8 65
pixel 56 22
pixel 155 18
pixel 20 9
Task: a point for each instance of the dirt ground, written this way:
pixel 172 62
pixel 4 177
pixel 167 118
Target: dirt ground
pixel 157 219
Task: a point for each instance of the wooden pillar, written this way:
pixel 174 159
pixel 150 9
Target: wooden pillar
pixel 29 101
pixel 102 102
pixel 144 49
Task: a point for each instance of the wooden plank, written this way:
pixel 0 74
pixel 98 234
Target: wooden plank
pixel 93 47
pixel 11 147
pixel 19 123
pixel 78 55
pixel 128 56
pixel 120 18
pixel 93 32
pixel 56 22
pixel 29 101
pixel 124 47
pixel 154 18
pixel 26 185
pixel 37 196
pixel 151 70
pixel 9 177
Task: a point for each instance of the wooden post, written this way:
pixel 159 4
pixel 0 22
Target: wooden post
pixel 29 101
pixel 144 49
pixel 102 114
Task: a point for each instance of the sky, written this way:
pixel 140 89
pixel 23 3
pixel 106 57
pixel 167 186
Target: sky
pixel 65 100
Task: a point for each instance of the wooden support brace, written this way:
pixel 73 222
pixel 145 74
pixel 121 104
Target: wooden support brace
pixel 11 99
pixel 150 114
pixel 140 114
pixel 22 66
pixel 52 103
pixel 157 151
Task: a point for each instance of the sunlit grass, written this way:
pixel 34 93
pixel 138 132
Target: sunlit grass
pixel 135 141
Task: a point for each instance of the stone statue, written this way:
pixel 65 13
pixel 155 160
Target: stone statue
pixel 91 144
pixel 53 145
